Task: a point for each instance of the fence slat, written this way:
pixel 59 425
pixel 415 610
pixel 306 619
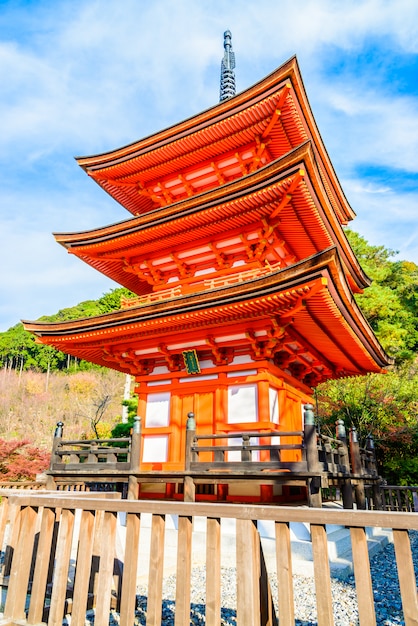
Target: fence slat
pixel 213 571
pixel 40 575
pixel 156 570
pixel 106 566
pixel 284 573
pixel 63 552
pixel 267 610
pixel 4 516
pixel 322 575
pixel 406 574
pixel 184 567
pixel 83 568
pixel 130 566
pixel 362 575
pixel 14 521
pixel 21 564
pixel 248 573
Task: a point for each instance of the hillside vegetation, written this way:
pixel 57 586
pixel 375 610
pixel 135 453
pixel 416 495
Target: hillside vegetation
pixel 88 402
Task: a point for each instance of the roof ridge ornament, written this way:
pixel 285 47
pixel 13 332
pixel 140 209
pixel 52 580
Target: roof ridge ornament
pixel 227 89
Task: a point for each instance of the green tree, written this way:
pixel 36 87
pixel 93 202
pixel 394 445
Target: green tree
pixel 390 304
pixel 384 406
pixel 123 429
pixel 19 350
pixel 111 300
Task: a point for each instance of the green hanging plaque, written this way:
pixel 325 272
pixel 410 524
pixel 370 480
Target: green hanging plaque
pixel 191 362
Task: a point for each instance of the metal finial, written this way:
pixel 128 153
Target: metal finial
pixel 227 89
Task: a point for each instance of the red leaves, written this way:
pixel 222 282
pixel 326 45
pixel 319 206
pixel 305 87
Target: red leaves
pixel 20 460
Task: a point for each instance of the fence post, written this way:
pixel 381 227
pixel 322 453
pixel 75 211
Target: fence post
pixel 312 460
pixel 189 486
pixel 357 469
pixel 135 455
pixel 372 455
pixel 245 453
pixel 346 487
pixel 378 496
pixel 56 442
pixel 135 444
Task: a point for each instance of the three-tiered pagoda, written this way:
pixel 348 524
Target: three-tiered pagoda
pixel 243 274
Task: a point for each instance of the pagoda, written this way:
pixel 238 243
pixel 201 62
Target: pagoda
pixel 243 275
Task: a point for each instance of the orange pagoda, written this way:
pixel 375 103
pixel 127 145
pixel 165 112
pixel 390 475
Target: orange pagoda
pixel 243 274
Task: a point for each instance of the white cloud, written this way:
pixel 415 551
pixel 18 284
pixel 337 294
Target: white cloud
pixel 379 129
pixel 80 78
pixel 385 217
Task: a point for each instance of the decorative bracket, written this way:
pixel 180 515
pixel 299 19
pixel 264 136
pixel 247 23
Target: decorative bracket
pixel 174 362
pixel 262 347
pixel 220 356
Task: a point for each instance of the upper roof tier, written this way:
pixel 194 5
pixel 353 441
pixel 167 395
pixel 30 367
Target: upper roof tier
pixel 275 216
pixel 225 142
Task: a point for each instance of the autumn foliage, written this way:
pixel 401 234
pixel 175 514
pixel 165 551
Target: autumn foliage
pixel 20 460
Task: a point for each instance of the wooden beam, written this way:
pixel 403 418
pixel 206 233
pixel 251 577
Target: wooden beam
pixel 278 111
pixel 288 195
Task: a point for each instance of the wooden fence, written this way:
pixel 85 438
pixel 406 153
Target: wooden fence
pixel 63 554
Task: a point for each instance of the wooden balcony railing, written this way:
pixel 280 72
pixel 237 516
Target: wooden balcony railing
pixel 399 498
pixel 268 457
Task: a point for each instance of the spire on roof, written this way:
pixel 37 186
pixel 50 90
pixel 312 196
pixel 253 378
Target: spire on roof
pixel 227 89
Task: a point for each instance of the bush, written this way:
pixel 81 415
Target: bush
pixel 19 460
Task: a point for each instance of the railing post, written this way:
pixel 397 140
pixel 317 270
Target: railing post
pixel 372 455
pixel 56 442
pixel 356 468
pixel 312 460
pixel 189 486
pixel 245 453
pixel 134 458
pixel 346 487
pixel 135 444
pixel 190 435
pixel 378 496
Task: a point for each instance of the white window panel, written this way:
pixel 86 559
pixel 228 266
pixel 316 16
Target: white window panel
pixel 155 449
pixel 157 413
pixel 274 405
pixel 242 403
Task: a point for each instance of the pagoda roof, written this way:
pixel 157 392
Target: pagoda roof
pixel 285 200
pixel 302 317
pixel 224 142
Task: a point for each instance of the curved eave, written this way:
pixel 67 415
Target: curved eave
pixel 311 299
pixel 124 162
pixel 105 248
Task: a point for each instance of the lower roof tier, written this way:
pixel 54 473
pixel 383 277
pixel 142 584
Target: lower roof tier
pixel 302 318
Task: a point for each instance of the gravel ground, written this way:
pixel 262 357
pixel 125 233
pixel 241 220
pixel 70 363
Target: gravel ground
pixel 384 578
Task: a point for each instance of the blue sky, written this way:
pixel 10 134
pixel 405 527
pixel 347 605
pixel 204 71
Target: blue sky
pixel 81 77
